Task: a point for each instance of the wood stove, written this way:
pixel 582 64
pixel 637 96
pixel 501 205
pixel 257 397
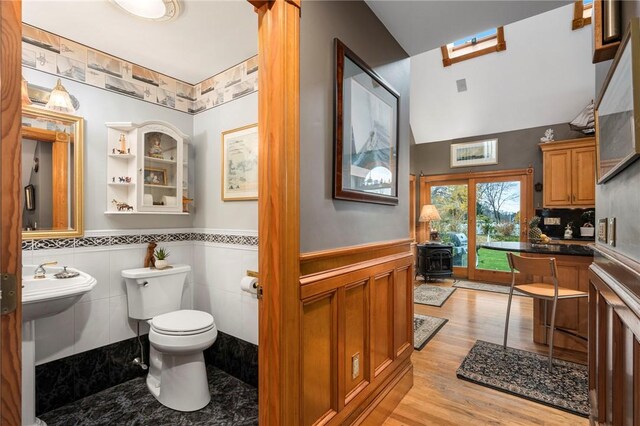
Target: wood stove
pixel 435 260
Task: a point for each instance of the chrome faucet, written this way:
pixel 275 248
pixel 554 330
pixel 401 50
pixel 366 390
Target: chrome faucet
pixel 40 272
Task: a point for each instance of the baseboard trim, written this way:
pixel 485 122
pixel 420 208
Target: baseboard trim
pixel 388 399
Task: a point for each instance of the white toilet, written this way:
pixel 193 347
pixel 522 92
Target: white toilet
pixel 177 374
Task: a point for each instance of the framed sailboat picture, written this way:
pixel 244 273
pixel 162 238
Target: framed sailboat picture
pixel 365 132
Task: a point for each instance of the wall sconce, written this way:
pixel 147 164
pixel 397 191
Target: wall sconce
pixel 24 93
pixel 59 100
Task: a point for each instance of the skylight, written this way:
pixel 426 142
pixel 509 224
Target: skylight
pixel 473 46
pixel 475 38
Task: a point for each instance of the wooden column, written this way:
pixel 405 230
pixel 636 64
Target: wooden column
pixel 10 222
pixel 60 181
pixel 279 211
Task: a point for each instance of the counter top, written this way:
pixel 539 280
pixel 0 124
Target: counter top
pixel 552 249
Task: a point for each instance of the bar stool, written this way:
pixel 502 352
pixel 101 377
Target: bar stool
pixel 545 267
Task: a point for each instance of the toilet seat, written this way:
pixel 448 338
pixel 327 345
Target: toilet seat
pixel 184 322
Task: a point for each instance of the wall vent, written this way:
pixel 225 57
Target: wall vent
pixel 462 85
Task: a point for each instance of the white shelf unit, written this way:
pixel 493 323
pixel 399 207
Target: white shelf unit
pixel 154 155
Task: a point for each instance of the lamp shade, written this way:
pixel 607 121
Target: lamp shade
pixel 59 100
pixel 428 213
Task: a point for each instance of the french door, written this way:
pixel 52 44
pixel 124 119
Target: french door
pixel 476 208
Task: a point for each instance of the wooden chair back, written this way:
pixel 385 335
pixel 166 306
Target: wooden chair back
pixel 545 266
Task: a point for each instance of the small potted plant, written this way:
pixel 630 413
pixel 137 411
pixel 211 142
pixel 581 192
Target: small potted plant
pixel 587 229
pixel 161 255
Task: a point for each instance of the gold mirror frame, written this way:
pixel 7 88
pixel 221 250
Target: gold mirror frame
pixel 78 173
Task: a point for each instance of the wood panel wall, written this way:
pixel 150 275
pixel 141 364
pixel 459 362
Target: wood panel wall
pixel 11 220
pixel 357 303
pixel 614 340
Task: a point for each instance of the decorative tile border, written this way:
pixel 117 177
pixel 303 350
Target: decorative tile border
pixel 120 240
pixel 50 53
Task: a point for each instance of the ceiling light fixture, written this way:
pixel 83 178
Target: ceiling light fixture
pixel 152 10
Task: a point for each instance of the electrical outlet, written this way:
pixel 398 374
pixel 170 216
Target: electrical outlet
pixel 355 365
pixel 552 221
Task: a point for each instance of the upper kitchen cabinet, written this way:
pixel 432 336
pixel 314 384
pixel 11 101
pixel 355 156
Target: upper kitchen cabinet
pixel 569 173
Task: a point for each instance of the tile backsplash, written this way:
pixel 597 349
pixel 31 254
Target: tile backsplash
pixel 565 216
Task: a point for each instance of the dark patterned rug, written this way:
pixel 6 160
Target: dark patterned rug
pixel 494 288
pixel 432 295
pixel 525 374
pixel 424 328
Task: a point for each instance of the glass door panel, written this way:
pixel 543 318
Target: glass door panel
pixel 498 210
pixel 160 171
pixel 452 202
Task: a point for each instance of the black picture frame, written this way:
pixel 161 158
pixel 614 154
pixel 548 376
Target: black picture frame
pixel 367 116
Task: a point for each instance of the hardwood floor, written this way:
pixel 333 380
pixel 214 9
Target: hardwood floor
pixel 438 397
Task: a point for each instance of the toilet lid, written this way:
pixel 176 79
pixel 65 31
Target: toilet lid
pixel 184 321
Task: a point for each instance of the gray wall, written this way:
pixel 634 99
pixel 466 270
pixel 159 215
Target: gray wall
pixel 516 150
pixel 620 196
pixel 324 222
pixel 210 210
pixel 97 107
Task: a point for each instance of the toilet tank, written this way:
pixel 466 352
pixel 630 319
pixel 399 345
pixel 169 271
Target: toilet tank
pixel 152 292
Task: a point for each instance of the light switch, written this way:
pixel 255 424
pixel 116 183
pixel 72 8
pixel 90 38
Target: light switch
pixel 612 231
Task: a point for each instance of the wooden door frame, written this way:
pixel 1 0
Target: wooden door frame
pixel 279 211
pixel 11 222
pixel 525 176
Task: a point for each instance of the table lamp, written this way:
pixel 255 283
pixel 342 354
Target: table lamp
pixel 430 213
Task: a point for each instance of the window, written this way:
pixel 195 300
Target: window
pixel 582 11
pixel 473 46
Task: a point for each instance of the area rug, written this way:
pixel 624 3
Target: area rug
pixel 424 328
pixel 432 295
pixel 525 374
pixel 494 288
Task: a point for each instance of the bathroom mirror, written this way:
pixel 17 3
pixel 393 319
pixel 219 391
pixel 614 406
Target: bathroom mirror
pixel 52 171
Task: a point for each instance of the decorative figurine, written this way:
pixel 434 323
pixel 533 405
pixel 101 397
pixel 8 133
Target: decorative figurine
pixel 123 143
pixel 548 136
pixel 113 151
pixel 113 179
pixel 568 231
pixel 156 150
pixel 121 206
pixel 149 260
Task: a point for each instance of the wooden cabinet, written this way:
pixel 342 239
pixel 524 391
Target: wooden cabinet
pixel 569 173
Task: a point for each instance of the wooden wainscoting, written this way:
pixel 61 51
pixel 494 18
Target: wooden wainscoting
pixel 356 309
pixel 614 334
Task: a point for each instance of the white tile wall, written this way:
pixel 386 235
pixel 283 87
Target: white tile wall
pixel 218 269
pixel 101 316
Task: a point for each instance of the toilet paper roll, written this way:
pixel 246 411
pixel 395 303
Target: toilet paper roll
pixel 249 284
pixel 169 201
pixel 147 200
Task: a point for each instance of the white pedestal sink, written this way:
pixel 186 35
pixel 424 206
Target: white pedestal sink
pixel 42 298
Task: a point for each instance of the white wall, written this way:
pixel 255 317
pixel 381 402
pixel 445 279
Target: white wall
pixel 544 76
pixel 219 267
pixel 210 210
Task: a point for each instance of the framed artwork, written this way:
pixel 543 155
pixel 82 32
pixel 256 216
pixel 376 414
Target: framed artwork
pixel 155 176
pixel 240 164
pixel 469 154
pixel 365 132
pixel 618 109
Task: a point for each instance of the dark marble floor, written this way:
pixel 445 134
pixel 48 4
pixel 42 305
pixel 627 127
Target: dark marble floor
pixel 233 402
